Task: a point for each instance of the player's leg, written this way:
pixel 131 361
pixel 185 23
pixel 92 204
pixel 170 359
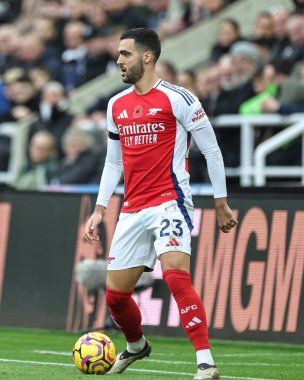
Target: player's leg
pixel 126 314
pixel 127 263
pixel 173 248
pixel 122 307
pixel 175 266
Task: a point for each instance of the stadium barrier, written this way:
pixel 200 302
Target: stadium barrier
pixel 251 280
pixel 18 133
pixel 252 171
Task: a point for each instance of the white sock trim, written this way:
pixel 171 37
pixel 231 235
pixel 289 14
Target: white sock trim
pixel 204 356
pixel 135 347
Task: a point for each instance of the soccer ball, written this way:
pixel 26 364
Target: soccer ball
pixel 94 353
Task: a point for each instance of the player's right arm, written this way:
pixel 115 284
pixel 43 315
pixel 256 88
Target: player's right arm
pixel 109 180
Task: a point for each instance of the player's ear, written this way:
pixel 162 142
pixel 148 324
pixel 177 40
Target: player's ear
pixel 148 56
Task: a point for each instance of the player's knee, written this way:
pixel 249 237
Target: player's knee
pixel 117 300
pixel 175 261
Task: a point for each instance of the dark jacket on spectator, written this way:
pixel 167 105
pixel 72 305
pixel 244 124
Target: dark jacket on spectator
pixel 85 169
pixel 57 125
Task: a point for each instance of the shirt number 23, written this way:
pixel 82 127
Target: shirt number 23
pixel 177 231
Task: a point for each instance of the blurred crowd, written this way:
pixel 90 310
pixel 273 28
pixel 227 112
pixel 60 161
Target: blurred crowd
pixel 48 48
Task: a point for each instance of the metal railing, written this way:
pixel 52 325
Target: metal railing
pixel 261 171
pixel 18 133
pixel 247 170
pixel 252 171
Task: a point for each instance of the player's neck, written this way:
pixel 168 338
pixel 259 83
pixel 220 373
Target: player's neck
pixel 146 83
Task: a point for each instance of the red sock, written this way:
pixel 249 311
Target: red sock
pixel 125 313
pixel 191 309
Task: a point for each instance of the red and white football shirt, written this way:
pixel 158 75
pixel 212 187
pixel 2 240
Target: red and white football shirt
pixel 154 131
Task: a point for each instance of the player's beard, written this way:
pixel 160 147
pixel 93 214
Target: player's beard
pixel 135 73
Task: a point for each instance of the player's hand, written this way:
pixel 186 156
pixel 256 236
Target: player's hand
pixel 91 228
pixel 224 215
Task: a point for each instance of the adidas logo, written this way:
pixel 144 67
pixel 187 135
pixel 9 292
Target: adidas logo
pixel 172 243
pixel 193 322
pixel 123 115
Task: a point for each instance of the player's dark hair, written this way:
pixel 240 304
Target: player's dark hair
pixel 145 39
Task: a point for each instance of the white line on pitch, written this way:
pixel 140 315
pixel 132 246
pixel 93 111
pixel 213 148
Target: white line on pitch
pixel 184 362
pixel 43 352
pixel 128 370
pixel 191 374
pixel 237 355
pixel 35 362
pixel 240 355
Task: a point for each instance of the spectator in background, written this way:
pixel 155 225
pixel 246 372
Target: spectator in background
pixel 32 53
pixel 83 58
pixel 290 153
pixel 245 61
pixel 19 100
pixel 166 71
pixel 290 81
pixel 52 10
pixel 280 93
pixel 23 102
pixel 294 51
pixel 74 55
pixel 227 77
pixel 199 10
pixel 29 10
pixel 9 77
pixel 23 96
pixel 98 55
pixel 269 84
pixel 40 165
pixel 263 35
pixel 39 77
pixel 158 9
pixel 263 90
pixel 228 34
pixel 97 17
pixel 280 17
pixel 81 165
pixel 9 39
pixel 53 115
pixel 263 27
pixel 299 7
pixel 73 10
pixel 291 97
pixel 207 87
pixel 187 80
pixel 5 103
pixel 45 29
pixel 124 14
pixel 167 17
pixel 9 11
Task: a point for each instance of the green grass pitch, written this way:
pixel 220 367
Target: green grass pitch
pixel 35 354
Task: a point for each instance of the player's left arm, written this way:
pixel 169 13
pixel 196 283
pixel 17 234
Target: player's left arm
pixel 196 121
pixel 206 141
